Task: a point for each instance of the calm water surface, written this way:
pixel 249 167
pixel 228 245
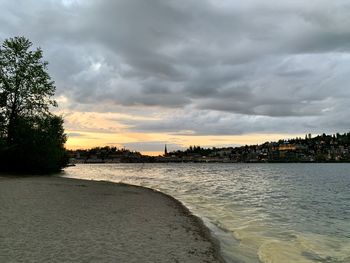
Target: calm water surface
pixel 260 212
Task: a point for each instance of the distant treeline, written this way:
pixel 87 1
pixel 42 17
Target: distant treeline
pixel 106 154
pixel 322 148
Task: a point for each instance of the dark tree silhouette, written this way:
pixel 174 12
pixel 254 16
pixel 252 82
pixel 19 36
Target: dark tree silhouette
pixel 25 85
pixel 31 138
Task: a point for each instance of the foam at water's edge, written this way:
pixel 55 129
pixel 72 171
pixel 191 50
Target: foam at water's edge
pixel 277 251
pixel 225 238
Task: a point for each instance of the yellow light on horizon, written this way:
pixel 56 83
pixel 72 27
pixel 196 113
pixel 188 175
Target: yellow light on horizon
pixel 85 140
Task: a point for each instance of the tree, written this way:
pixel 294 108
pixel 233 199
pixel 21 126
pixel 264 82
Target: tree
pixel 31 138
pixel 25 86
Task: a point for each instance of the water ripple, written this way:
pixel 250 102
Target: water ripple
pixel 269 212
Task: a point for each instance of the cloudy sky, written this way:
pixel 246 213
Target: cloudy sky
pixel 139 73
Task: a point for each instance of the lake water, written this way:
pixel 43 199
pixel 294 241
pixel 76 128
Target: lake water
pixel 271 213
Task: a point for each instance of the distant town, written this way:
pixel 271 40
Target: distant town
pixel 321 148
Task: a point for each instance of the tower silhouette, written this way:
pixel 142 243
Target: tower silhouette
pixel 165 150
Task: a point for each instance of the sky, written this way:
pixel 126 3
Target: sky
pixel 139 74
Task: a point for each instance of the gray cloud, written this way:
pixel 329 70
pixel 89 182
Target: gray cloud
pixel 212 67
pixel 75 134
pixel 216 123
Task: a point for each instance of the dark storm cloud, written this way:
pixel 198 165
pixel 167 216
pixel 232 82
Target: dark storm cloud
pixel 215 123
pixel 214 67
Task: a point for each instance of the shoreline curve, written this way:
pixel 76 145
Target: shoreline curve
pixel 78 220
pixel 204 230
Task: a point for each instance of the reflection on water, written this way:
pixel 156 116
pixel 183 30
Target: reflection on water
pixel 266 212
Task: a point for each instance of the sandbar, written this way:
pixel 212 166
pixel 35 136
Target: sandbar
pixel 55 219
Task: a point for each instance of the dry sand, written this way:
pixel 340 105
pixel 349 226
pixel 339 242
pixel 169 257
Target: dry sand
pixel 53 219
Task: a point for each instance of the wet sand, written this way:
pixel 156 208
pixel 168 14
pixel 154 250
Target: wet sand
pixel 53 219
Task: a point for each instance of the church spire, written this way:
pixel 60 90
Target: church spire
pixel 165 150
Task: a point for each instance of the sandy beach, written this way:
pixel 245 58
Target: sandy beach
pixel 53 219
